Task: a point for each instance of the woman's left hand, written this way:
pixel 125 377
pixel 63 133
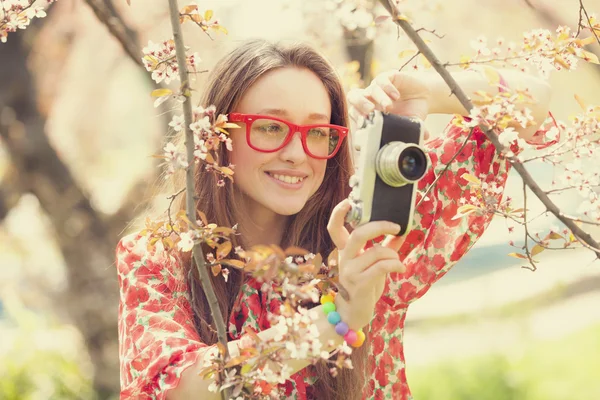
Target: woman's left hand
pixel 401 93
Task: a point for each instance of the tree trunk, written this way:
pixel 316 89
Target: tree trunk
pixel 85 237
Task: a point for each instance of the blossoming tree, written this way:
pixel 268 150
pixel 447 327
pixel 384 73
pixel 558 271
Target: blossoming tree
pixel 205 132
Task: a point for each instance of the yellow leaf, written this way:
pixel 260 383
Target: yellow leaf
pixel 402 17
pixel 491 75
pixel 590 57
pixel 465 61
pixel 161 92
pixel 222 348
pixel 227 170
pixel 470 178
pixel 554 236
pixel 219 28
pixel 223 249
pixel 580 102
pixel 517 255
pixel 586 41
pixel 407 53
pixel 245 369
pixel 209 159
pixel 229 125
pixel 562 62
pixel 216 269
pixel 537 249
pixel 208 15
pixel 234 263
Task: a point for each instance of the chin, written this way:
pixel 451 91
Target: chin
pixel 287 209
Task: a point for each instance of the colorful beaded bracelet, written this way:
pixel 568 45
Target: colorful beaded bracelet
pixel 352 337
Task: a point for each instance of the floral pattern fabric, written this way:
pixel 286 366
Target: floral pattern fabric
pixel 157 339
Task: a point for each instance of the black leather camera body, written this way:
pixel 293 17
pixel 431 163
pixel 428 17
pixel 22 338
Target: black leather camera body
pixel 391 161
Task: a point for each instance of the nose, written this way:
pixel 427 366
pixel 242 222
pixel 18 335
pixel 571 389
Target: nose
pixel 293 152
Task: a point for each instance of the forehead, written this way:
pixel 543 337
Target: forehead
pixel 298 92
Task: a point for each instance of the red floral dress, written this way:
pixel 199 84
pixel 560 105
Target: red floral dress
pixel 157 339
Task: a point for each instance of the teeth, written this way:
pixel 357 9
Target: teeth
pixel 287 179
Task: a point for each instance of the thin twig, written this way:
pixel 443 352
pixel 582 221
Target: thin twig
pixel 527 235
pixel 492 136
pixel 190 184
pixel 581 7
pixel 409 60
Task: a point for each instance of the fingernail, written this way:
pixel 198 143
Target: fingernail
pixel 395 95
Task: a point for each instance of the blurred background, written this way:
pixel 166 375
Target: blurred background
pixel 77 133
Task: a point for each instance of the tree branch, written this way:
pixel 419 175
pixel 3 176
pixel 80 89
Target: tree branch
pixel 127 38
pixel 466 102
pixel 190 181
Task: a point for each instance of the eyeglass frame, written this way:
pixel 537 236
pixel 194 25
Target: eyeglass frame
pixel 248 119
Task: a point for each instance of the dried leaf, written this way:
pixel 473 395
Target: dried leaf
pixel 209 159
pixel 295 251
pixel 223 250
pixel 203 218
pixel 518 255
pixel 216 269
pixel 554 236
pixel 234 263
pixel 537 249
pixel 317 261
pixel 227 170
pixel 189 9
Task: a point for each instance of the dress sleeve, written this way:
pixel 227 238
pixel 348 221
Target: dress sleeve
pixel 438 239
pixel 436 242
pixel 157 339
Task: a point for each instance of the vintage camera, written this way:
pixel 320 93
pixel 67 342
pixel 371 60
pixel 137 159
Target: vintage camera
pixel 390 162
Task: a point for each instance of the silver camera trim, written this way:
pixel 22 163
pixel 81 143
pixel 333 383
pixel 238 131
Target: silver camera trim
pixel 368 139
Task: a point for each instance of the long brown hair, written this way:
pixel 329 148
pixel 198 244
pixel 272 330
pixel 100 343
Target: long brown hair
pixel 228 82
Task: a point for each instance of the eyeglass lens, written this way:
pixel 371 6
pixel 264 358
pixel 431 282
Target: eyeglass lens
pixel 268 134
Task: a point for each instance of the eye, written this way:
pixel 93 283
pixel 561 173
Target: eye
pixel 319 132
pixel 272 128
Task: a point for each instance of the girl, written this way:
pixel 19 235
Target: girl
pixel 292 193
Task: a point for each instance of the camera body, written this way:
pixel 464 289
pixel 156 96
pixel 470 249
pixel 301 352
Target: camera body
pixel 390 163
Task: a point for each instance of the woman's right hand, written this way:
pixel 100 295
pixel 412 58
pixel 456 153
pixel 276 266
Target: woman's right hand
pixel 363 272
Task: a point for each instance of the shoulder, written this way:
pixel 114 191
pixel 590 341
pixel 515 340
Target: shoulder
pixel 134 252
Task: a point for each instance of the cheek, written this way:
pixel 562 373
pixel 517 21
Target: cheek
pixel 319 167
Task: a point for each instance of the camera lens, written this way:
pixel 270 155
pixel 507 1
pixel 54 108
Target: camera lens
pixel 412 163
pixel 399 163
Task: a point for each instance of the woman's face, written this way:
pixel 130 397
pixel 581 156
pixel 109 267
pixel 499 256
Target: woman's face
pixel 298 96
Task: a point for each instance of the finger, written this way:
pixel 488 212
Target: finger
pixel 381 99
pixel 369 231
pixel 367 259
pixel 426 135
pixel 385 82
pixel 380 268
pixel 338 232
pixel 393 242
pixel 357 99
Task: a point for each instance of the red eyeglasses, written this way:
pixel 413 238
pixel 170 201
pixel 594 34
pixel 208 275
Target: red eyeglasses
pixel 269 134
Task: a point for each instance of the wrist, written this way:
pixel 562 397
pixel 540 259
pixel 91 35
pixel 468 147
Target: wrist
pixel 354 336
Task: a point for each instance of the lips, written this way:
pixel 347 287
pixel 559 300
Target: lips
pixel 288 179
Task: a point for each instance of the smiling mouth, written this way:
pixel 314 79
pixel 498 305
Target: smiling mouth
pixel 287 178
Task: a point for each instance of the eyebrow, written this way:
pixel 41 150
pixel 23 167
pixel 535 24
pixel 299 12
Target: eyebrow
pixel 282 113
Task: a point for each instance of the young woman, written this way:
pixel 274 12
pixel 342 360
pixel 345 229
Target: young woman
pixel 294 195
